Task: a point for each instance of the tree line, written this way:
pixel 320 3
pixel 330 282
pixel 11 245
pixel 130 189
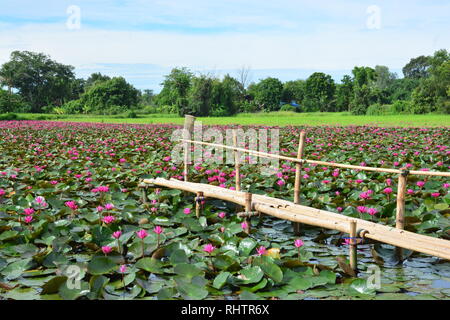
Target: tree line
pixel 33 82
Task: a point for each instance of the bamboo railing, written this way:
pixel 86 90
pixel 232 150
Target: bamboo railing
pixel 301 214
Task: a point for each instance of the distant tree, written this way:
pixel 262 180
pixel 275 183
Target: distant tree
pixel 11 102
pixel 146 97
pixel 200 96
pixel 383 77
pixel 39 80
pixel 293 91
pixel 319 92
pixel 95 77
pixel 113 93
pixel 244 76
pixel 344 94
pixel 267 94
pixel 417 68
pixel 232 94
pixel 175 90
pixel 363 95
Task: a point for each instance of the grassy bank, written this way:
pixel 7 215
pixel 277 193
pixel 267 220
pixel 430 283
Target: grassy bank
pixel 272 118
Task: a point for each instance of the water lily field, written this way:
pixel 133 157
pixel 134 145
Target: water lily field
pixel 73 223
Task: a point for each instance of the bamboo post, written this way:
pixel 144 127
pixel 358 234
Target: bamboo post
pixel 400 214
pixel 236 162
pixel 298 170
pixel 248 208
pixel 353 246
pixel 198 203
pixel 187 134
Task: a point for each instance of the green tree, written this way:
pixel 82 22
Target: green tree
pixel 200 96
pixel 319 92
pixel 175 90
pixel 94 78
pixel 115 93
pixel 417 68
pixel 39 80
pixel 363 93
pixel 293 91
pixel 344 93
pixel 267 94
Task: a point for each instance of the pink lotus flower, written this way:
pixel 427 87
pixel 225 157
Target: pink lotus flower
pixel 435 194
pixel 158 230
pixel 39 200
pixel 372 211
pixel 364 195
pixel 123 268
pixel 222 215
pixel 28 219
pixel 281 183
pixel 187 210
pixel 387 190
pixel 326 181
pixel 340 209
pixel 244 225
pixel 446 185
pixel 420 183
pixel 2 192
pixel 122 160
pixel 142 234
pixel 72 205
pixel 109 206
pixel 106 249
pixel 362 209
pixel 209 248
pixel 28 211
pixel 410 191
pixel 100 209
pixel 389 182
pixel 298 243
pixel 261 251
pixel 108 219
pixel 117 234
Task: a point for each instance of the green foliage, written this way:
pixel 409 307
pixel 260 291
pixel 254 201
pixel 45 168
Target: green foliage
pixel 40 80
pixel 11 102
pixel 267 94
pixel 319 94
pixel 288 107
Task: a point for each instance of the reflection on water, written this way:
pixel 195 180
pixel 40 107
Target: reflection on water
pixel 419 274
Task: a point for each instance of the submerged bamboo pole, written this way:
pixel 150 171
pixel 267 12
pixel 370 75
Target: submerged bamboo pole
pixel 400 213
pixel 198 203
pixel 237 162
pixel 298 170
pixel 289 211
pixel 331 164
pixel 248 209
pixel 187 135
pixel 353 246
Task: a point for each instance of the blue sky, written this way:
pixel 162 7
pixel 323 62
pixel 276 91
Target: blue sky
pixel 289 39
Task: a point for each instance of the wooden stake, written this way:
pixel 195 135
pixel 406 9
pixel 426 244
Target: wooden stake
pixel 198 203
pixel 298 170
pixel 400 214
pixel 236 162
pixel 353 246
pixel 187 135
pixel 248 208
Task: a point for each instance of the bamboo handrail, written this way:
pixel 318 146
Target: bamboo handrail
pixel 331 164
pixel 297 213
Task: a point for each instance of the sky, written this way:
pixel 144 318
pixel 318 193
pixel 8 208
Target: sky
pixel 288 39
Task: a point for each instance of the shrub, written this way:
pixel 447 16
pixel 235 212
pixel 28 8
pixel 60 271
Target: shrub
pixel 132 115
pixel 288 107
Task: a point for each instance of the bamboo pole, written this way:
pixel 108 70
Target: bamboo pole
pixel 298 170
pixel 331 164
pixel 400 214
pixel 353 246
pixel 248 209
pixel 198 203
pixel 187 135
pixel 236 162
pixel 289 211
